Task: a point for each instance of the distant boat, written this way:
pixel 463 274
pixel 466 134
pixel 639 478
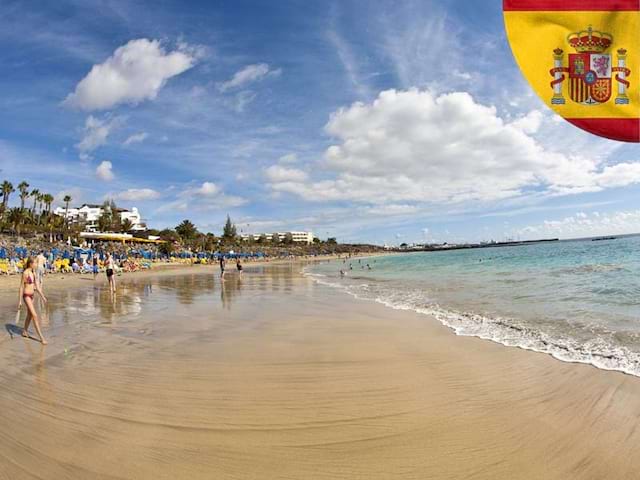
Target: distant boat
pixel 599 239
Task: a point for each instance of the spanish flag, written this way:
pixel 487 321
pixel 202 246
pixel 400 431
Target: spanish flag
pixel 582 58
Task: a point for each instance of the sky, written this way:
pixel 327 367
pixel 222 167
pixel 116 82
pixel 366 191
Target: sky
pixel 369 121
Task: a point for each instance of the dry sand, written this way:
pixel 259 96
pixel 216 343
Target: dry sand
pixel 275 377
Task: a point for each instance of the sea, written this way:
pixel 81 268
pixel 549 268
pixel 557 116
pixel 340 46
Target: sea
pixel 577 300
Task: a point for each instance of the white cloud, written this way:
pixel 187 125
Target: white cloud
pixel 105 171
pixel 95 133
pixel 137 195
pixel 462 75
pixel 392 210
pixel 586 225
pixel 135 72
pixel 242 99
pixel 413 146
pixel 207 189
pixel 288 158
pixel 207 196
pixel 279 174
pixel 136 138
pixel 529 123
pixel 249 74
pixel 349 62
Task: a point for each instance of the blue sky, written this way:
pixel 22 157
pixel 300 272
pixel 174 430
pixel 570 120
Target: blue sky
pixel 380 121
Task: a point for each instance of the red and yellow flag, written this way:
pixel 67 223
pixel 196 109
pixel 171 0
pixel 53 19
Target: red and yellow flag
pixel 580 56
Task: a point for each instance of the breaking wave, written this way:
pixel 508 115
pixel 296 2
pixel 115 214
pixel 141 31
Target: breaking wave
pixel 601 348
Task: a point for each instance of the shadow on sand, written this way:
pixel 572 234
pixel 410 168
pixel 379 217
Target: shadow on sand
pixel 13 330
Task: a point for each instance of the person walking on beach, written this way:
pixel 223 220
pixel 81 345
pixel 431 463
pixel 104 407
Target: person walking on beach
pixel 95 266
pixel 28 287
pixel 239 266
pixel 110 272
pixel 41 263
pixel 222 266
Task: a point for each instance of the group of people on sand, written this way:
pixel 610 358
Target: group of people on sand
pixel 32 283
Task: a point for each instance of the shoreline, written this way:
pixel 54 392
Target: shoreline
pixel 505 331
pixel 74 280
pixel 276 376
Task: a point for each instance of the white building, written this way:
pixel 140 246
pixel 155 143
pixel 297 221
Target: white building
pixel 89 214
pixel 296 237
pixel 134 217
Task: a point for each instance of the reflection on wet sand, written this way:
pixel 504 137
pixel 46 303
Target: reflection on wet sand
pixel 230 290
pixel 271 376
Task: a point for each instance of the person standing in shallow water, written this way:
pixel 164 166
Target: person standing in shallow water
pixel 28 287
pixel 110 264
pixel 223 263
pixel 239 266
pixel 40 264
pixel 96 268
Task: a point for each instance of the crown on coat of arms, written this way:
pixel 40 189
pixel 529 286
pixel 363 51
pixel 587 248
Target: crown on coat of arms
pixel 590 41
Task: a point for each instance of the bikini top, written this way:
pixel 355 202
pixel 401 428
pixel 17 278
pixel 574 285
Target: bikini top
pixel 29 279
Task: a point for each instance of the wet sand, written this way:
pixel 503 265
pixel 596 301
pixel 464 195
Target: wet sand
pixel 275 377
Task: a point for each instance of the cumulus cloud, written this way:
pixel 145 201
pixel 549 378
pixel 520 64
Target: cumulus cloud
pixel 135 72
pixel 207 189
pixel 249 74
pixel 137 194
pixel 95 133
pixel 105 171
pixel 529 123
pixel 584 224
pixel 136 138
pixel 413 146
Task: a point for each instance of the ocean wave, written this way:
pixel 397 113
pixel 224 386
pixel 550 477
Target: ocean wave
pixel 597 351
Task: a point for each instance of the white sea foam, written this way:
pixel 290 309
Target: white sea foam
pixel 597 351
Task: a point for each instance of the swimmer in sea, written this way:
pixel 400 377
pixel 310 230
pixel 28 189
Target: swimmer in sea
pixel 28 288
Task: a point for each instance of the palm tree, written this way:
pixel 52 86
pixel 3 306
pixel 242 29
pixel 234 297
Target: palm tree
pixel 16 217
pixel 34 193
pixel 39 206
pixel 126 225
pixel 187 230
pixel 47 198
pixel 7 189
pixel 67 200
pixel 23 188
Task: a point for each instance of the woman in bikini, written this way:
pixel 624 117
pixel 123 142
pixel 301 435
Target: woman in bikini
pixel 28 287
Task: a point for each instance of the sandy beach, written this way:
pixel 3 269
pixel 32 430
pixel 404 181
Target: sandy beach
pixel 273 376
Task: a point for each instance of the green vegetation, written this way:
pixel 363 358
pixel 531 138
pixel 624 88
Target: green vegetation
pixel 36 219
pixel 34 216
